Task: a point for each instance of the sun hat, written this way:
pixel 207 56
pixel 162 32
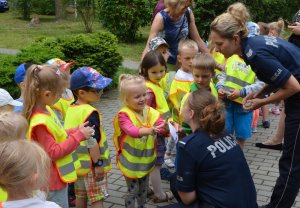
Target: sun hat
pixel 6 99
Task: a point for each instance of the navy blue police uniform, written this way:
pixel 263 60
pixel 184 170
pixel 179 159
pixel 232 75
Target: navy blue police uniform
pixel 274 61
pixel 216 169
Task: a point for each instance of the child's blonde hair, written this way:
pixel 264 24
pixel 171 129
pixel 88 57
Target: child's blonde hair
pixel 204 61
pixel 187 43
pixel 239 9
pixel 24 167
pixel 126 82
pixel 12 126
pixel 178 4
pixel 277 26
pixel 39 78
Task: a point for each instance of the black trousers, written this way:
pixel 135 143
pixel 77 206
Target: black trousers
pixel 288 183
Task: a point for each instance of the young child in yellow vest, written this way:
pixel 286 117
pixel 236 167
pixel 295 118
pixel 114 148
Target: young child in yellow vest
pixel 153 70
pixel 87 85
pixel 203 69
pixel 60 108
pixel 236 82
pixel 12 127
pixel 136 126
pixel 160 45
pixel 24 171
pixel 187 50
pixel 44 86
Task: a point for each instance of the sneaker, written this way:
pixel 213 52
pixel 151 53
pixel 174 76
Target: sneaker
pixel 169 163
pixel 275 110
pixel 254 130
pixel 266 124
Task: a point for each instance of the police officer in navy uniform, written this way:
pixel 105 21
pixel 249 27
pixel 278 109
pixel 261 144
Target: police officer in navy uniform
pixel 211 168
pixel 277 63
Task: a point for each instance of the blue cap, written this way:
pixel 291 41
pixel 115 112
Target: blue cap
pixel 88 77
pixel 253 29
pixel 21 72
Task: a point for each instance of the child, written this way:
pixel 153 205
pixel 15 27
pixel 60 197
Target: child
pixel 153 70
pixel 19 80
pixel 276 28
pixel 87 85
pixel 61 106
pixel 187 50
pixel 24 169
pixel 238 81
pixel 203 72
pixel 44 86
pixel 136 124
pixel 7 103
pixel 12 126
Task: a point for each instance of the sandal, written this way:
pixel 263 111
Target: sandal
pixel 168 196
pixel 150 192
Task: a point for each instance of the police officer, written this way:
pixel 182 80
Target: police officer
pixel 277 63
pixel 211 168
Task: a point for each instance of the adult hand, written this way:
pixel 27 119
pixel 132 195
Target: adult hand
pixel 253 104
pixel 98 173
pixel 295 28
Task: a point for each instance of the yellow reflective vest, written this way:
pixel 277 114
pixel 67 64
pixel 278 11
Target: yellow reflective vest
pixel 62 105
pixel 178 89
pixel 160 100
pixel 3 195
pixel 136 156
pixel 65 166
pixel 238 75
pixel 166 82
pixel 77 115
pixel 220 59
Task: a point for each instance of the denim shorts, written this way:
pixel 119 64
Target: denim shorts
pixel 237 120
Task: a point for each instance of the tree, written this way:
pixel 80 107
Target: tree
pixel 86 10
pixel 59 9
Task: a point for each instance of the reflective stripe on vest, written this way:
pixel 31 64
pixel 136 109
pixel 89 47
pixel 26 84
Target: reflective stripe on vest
pixel 177 91
pixel 238 75
pixel 65 166
pixel 166 82
pixel 136 156
pixel 160 100
pixel 77 115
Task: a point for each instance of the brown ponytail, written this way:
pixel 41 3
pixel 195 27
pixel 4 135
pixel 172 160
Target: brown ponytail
pixel 209 113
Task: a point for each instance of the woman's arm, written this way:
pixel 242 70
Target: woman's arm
pixel 156 27
pixel 187 198
pixel 295 28
pixel 194 34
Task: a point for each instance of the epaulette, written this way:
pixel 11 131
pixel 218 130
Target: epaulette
pixel 185 141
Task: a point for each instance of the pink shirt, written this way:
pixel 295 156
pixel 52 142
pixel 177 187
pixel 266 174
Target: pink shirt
pixel 56 151
pixel 151 99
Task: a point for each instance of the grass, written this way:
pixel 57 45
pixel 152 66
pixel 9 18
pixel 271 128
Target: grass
pixel 16 33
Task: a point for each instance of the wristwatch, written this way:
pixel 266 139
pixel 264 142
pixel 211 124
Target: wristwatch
pixel 99 163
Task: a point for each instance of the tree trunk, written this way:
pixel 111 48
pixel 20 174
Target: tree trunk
pixel 59 10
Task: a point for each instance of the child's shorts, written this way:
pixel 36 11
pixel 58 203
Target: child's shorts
pixel 161 150
pixel 87 187
pixel 238 120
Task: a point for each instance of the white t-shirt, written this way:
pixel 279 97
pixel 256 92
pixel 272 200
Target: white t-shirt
pixel 184 76
pixel 29 203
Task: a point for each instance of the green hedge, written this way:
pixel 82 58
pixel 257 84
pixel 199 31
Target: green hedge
pixel 99 51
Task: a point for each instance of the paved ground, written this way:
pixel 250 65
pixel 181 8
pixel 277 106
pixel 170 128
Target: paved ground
pixel 263 163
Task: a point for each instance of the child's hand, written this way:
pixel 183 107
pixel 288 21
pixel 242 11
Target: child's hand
pixel 221 93
pixel 87 131
pixel 98 173
pixel 234 94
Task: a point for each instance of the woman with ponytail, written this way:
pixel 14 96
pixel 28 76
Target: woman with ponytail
pixel 276 62
pixel 211 169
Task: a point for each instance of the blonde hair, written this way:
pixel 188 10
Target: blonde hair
pixel 126 82
pixel 204 61
pixel 12 126
pixel 277 26
pixel 187 43
pixel 178 4
pixel 227 25
pixel 240 10
pixel 39 78
pixel 24 167
pixel 208 112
